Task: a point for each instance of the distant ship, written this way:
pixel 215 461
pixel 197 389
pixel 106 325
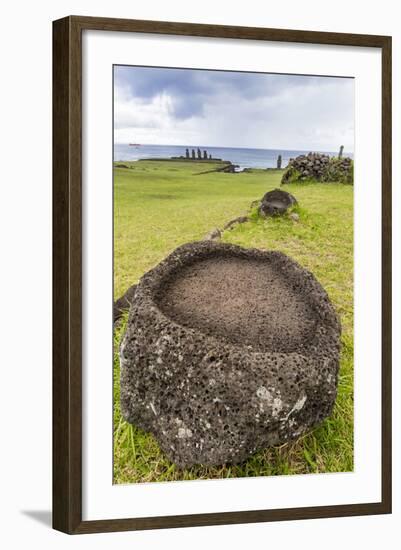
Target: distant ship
pixel 134 144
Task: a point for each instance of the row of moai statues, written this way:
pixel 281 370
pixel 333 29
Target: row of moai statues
pixel 198 154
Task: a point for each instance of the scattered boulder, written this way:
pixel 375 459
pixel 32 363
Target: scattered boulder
pixel 123 303
pixel 213 235
pixel 276 203
pixel 319 167
pixel 122 166
pixel 227 351
pixel 240 219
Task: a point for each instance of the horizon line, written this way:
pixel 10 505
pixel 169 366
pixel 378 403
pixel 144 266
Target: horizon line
pixel 238 147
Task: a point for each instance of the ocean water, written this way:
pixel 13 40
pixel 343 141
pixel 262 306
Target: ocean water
pixel 245 158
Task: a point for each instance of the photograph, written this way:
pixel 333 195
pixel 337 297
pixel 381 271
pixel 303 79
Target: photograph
pixel 233 268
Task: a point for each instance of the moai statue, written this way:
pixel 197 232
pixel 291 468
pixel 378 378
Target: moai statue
pixel 193 153
pixel 204 154
pixel 187 153
pixel 199 154
pixel 340 154
pixel 279 161
pixel 210 156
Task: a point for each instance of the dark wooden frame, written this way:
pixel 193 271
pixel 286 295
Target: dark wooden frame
pixel 67 279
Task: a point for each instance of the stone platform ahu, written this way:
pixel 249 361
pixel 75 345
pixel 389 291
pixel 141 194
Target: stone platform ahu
pixel 228 351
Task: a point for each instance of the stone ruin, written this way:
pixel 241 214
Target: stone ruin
pixel 228 351
pixel 319 167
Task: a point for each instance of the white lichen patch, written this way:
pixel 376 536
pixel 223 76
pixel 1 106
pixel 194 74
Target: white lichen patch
pixel 184 432
pixel 298 406
pixel 269 399
pixel 263 393
pixel 277 406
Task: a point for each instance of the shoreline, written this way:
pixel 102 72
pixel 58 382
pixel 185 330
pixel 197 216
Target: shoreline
pixel 223 164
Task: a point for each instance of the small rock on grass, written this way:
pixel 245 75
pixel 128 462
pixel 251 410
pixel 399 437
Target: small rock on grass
pixel 213 235
pixel 231 223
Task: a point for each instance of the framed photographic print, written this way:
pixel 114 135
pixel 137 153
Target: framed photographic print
pixel 222 274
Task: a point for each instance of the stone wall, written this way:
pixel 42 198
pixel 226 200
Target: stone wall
pixel 319 167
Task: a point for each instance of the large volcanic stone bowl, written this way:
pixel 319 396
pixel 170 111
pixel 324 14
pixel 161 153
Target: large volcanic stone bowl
pixel 276 202
pixel 228 351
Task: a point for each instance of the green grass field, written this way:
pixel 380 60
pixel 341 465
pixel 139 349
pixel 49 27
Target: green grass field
pixel 161 205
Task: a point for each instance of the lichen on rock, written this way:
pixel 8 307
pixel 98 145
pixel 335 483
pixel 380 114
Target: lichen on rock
pixel 227 351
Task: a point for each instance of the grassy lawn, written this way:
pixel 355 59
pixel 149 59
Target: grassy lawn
pixel 160 205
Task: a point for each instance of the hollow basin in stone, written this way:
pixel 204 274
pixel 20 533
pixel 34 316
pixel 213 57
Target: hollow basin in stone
pixel 228 351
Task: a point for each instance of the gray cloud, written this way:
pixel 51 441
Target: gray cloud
pixel 214 103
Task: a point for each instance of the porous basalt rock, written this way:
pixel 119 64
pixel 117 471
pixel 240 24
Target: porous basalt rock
pixel 227 351
pixel 276 202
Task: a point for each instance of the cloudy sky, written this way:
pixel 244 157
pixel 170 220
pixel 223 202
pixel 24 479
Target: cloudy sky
pixel 232 109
